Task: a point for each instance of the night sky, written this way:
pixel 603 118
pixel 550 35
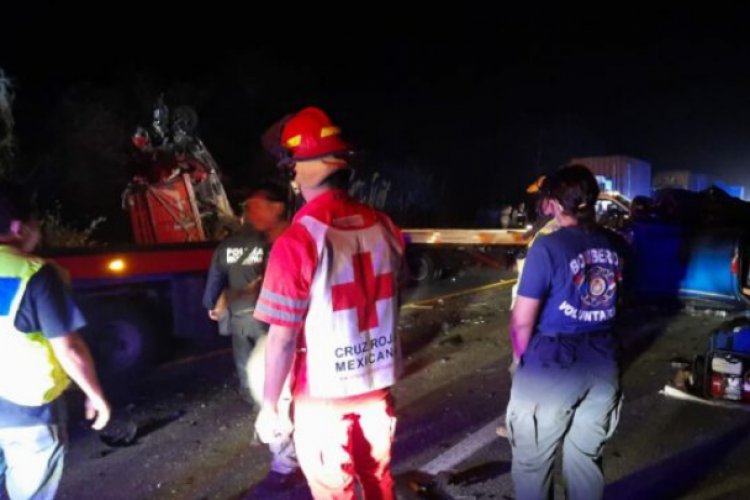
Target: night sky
pixel 479 102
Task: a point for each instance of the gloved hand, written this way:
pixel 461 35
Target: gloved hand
pixel 272 427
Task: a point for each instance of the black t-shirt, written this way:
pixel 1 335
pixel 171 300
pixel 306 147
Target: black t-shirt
pixel 47 306
pixel 237 261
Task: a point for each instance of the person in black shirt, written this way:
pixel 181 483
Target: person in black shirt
pixel 236 274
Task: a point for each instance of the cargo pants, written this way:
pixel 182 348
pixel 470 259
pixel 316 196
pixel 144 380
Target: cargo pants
pixel 566 390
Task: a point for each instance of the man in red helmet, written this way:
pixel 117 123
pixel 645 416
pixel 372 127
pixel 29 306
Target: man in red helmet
pixel 330 294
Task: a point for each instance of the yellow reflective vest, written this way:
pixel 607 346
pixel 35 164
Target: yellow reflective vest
pixel 30 374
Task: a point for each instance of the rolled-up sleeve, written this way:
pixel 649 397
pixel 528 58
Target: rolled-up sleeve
pixel 536 278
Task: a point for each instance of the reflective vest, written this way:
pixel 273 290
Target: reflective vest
pixel 30 374
pixel 550 227
pixel 350 327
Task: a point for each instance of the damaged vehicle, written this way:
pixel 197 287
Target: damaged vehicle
pixel 693 247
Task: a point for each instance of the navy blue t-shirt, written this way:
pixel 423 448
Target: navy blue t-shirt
pixel 576 274
pixel 47 306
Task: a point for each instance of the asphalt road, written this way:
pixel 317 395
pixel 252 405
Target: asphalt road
pixel 192 434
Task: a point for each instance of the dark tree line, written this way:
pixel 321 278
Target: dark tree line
pixel 441 166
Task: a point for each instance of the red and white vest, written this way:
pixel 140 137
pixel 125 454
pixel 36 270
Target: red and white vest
pixel 350 327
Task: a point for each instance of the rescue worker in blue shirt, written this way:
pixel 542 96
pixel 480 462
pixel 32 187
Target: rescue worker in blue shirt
pixel 40 352
pixel 567 385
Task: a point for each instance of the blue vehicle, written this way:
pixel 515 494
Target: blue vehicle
pixel 703 266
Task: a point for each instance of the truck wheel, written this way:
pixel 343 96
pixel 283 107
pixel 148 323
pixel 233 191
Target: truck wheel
pixel 421 267
pixel 122 340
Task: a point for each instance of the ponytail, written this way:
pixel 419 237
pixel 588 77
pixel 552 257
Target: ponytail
pixel 576 189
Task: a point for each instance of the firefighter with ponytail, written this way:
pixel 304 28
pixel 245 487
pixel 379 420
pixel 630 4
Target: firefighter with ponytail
pixel 566 389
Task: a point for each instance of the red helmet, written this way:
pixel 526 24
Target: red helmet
pixel 310 134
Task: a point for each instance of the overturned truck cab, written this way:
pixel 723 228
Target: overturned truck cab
pixel 706 267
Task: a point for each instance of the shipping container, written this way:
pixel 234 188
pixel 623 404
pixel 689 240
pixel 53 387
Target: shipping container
pixel 736 191
pixel 682 179
pixel 630 176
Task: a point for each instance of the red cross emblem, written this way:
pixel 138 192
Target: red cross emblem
pixel 363 292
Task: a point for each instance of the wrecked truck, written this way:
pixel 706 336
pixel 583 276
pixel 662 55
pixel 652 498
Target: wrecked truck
pixel 141 300
pixel 692 247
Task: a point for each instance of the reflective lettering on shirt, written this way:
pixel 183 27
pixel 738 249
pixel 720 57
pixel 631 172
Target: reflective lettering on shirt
pixel 254 257
pixel 594 256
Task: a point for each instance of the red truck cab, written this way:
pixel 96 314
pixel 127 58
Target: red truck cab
pixel 137 297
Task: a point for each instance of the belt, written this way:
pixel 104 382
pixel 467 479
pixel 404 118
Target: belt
pixel 567 344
